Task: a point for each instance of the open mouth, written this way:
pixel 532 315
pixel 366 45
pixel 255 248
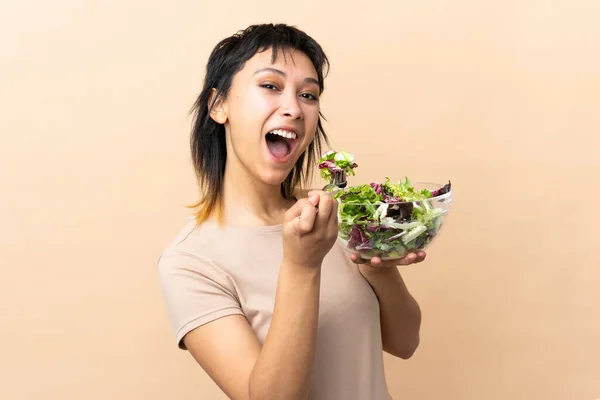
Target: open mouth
pixel 281 143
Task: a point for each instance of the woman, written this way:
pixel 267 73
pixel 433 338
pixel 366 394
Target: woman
pixel 256 288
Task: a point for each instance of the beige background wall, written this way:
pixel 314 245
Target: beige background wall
pixel 501 97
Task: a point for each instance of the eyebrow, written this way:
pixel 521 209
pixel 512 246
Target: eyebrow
pixel 280 72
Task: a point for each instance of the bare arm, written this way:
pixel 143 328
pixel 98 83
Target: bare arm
pixel 284 367
pixel 231 355
pixel 400 312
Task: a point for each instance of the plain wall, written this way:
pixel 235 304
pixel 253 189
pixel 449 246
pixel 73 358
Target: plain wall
pixel 500 97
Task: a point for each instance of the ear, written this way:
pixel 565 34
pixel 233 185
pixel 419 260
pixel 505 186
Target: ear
pixel 219 110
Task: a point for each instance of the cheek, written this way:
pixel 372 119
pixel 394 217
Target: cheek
pixel 309 138
pixel 311 122
pixel 247 117
pixel 260 102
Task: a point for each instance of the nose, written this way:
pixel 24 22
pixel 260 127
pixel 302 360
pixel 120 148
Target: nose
pixel 291 108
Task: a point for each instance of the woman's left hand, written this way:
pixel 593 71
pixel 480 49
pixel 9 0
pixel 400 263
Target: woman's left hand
pixel 376 263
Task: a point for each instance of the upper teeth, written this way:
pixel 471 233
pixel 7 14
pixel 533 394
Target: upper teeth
pixel 284 133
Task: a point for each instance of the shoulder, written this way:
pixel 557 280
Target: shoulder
pixel 183 239
pixel 195 289
pixel 188 252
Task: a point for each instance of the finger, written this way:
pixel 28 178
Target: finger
pixel 332 219
pixel 314 193
pixel 315 196
pixel 376 261
pixel 296 210
pixel 334 208
pixel 325 208
pixel 314 199
pixel 410 258
pixel 356 259
pixel 419 256
pixel 304 223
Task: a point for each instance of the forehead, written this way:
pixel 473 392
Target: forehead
pixel 291 61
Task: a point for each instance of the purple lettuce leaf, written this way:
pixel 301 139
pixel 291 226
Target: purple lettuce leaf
pixel 358 240
pixel 443 190
pixel 377 187
pixel 330 165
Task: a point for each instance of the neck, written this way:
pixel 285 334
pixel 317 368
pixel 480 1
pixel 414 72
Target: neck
pixel 247 201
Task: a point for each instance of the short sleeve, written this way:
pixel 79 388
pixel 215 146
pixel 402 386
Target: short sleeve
pixel 195 292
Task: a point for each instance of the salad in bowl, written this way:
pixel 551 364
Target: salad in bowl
pixel 384 219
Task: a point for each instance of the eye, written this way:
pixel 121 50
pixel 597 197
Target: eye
pixel 268 86
pixel 309 96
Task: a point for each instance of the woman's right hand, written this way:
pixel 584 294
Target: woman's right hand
pixel 310 229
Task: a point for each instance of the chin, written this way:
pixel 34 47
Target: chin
pixel 273 177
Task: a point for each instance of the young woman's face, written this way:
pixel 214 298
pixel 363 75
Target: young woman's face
pixel 270 115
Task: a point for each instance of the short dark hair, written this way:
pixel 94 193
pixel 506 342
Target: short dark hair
pixel 207 139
